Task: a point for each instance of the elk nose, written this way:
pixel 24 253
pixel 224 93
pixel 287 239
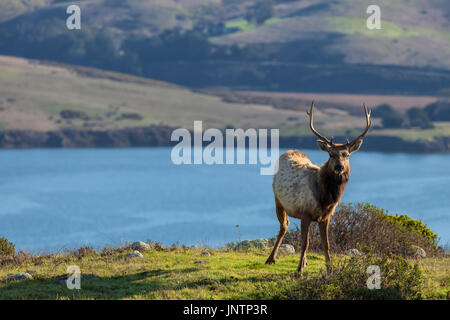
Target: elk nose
pixel 339 168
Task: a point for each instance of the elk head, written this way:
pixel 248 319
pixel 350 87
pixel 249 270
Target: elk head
pixel 339 153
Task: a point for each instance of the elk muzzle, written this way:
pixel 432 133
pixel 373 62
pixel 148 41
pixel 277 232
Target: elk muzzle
pixel 338 168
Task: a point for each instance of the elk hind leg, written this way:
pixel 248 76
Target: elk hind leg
pixel 323 228
pixel 284 224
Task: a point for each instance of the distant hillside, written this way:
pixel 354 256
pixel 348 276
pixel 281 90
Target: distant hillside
pixel 303 46
pixel 414 33
pixel 51 105
pixel 11 8
pixel 35 96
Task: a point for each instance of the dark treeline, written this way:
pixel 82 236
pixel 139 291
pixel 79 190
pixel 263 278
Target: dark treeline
pixel 159 136
pixel 189 58
pixel 415 116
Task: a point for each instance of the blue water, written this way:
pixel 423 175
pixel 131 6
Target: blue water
pixel 56 199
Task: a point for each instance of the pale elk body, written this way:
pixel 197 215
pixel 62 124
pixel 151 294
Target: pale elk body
pixel 309 192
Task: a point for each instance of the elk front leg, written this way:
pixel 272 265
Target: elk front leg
pixel 306 221
pixel 284 224
pixel 323 227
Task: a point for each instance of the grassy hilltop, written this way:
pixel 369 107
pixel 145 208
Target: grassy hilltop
pixel 173 273
pixel 237 271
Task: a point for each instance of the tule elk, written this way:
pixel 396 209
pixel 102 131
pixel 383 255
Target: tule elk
pixel 309 192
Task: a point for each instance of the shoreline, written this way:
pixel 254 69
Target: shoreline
pixel 159 136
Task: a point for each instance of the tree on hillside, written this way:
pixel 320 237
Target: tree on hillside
pixel 417 117
pixel 170 45
pixel 260 12
pixel 389 117
pixel 439 111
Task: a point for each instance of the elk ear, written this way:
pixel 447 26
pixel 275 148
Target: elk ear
pixel 323 145
pixel 355 146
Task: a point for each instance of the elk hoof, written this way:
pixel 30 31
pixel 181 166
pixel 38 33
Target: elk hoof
pixel 270 261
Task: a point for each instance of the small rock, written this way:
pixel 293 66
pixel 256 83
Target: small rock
pixel 206 254
pixel 135 254
pixel 20 276
pixel 354 252
pixel 200 261
pixel 140 245
pixel 287 249
pixel 31 271
pixel 417 252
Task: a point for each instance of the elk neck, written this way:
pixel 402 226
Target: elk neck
pixel 331 185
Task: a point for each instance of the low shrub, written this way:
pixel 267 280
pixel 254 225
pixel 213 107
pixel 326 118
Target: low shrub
pixel 249 244
pixel 349 279
pixel 82 252
pixel 130 116
pixel 364 226
pixel 72 114
pixel 7 248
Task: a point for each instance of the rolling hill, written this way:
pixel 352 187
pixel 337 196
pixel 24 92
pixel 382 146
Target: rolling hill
pixel 32 96
pixel 305 46
pixel 414 33
pixel 54 105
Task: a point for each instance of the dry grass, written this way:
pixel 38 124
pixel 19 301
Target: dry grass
pixel 30 90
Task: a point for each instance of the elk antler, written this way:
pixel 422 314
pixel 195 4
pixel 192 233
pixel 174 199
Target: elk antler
pixel 368 125
pixel 311 125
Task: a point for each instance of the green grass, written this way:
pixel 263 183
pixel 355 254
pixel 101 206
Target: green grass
pixel 441 129
pixel 161 275
pixel 244 25
pixel 241 24
pixel 305 131
pixel 357 25
pixel 172 274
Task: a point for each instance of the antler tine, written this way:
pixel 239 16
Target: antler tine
pixel 311 124
pixel 368 125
